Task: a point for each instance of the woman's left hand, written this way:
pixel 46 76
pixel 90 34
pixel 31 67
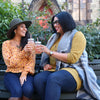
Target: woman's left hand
pixel 22 79
pixel 47 67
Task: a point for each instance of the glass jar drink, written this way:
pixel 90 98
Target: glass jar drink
pixel 30 40
pixel 37 42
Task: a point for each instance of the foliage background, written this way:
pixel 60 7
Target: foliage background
pixel 8 11
pixel 92 34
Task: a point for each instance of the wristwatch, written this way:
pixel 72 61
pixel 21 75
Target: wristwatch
pixel 51 53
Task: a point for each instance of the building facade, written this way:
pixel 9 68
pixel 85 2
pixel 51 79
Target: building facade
pixel 83 11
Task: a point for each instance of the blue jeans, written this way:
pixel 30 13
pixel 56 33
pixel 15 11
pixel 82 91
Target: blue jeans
pixel 50 84
pixel 12 83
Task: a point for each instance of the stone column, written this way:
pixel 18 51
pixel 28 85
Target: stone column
pixel 95 6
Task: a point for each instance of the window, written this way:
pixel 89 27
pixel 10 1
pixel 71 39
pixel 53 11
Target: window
pixel 79 10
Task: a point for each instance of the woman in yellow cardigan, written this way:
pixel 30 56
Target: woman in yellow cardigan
pixel 19 57
pixel 65 63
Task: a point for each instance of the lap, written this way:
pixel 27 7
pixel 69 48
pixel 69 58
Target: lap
pixel 11 81
pixel 11 78
pixel 64 79
pixel 42 76
pixel 58 75
pixel 62 74
pixel 29 82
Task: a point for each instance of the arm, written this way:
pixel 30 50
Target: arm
pixel 78 46
pixel 29 68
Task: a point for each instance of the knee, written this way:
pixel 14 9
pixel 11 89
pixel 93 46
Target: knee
pixel 38 79
pixel 17 92
pixel 52 79
pixel 28 91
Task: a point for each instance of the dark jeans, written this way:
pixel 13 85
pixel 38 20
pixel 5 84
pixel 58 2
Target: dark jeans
pixel 50 84
pixel 12 83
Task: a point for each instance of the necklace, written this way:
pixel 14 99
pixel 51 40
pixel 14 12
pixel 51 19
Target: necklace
pixel 18 46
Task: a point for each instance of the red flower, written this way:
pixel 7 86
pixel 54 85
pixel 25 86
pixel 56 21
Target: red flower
pixel 43 22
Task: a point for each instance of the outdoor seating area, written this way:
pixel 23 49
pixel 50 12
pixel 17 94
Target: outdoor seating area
pixel 64 96
pixel 39 20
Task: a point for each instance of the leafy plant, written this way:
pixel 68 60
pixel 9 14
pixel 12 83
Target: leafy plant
pixel 92 34
pixel 41 27
pixel 8 11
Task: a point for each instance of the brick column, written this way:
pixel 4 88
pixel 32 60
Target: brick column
pixel 88 11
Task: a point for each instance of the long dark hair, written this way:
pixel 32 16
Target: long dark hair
pixel 65 20
pixel 23 41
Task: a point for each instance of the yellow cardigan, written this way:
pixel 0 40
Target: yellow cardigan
pixel 78 45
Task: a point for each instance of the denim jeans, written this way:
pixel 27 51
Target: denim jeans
pixel 49 85
pixel 12 83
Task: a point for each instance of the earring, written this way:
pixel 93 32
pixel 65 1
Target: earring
pixel 15 32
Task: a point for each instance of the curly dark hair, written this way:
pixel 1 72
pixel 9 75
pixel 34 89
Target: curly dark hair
pixel 65 20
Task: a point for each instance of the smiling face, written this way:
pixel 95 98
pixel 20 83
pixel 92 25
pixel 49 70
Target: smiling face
pixel 57 26
pixel 21 30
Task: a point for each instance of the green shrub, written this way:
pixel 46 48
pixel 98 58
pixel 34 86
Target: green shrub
pixel 41 27
pixel 92 34
pixel 7 12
